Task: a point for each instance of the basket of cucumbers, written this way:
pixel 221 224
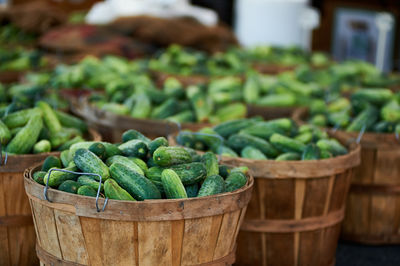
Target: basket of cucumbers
pixel 155 200
pixel 371 116
pixel 160 112
pixel 28 136
pixel 301 180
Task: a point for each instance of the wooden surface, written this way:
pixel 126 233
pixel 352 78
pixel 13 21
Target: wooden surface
pixel 17 233
pixel 197 231
pixel 373 206
pixel 7 77
pixel 292 218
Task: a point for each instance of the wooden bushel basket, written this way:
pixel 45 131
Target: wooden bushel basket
pixel 195 231
pixel 373 205
pixel 296 210
pixel 17 241
pixel 111 126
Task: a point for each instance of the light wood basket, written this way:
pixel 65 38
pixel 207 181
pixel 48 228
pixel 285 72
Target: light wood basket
pixel 17 241
pixel 373 205
pixel 195 231
pixel 296 210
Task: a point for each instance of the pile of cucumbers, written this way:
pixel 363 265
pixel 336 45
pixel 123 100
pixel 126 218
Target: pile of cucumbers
pixel 370 110
pixel 20 59
pixel 10 34
pixel 216 102
pixel 38 130
pixel 139 169
pixel 184 61
pixel 253 138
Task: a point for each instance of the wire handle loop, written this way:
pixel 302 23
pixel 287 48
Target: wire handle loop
pixel 76 173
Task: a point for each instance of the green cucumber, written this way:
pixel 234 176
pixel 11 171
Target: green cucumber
pixel 88 162
pixel 172 184
pixel 126 161
pixel 156 143
pixel 265 129
pixel 139 162
pixel 192 190
pixel 65 159
pixel 20 118
pixel 50 118
pixel 113 191
pixel 98 149
pixel 305 137
pixel 241 140
pixel 311 152
pixel 26 138
pixel 87 191
pixel 191 173
pixel 211 162
pixel 224 170
pixel 250 152
pixel 235 181
pixel 332 145
pixel 134 148
pixel 42 146
pixel 89 180
pixel 134 134
pixel 154 173
pixel 70 121
pixel 167 156
pixel 229 128
pixel 288 156
pixel 50 162
pixel 226 151
pixel 136 184
pixel 57 177
pixel 286 144
pixel 5 134
pixel 69 186
pixel 39 176
pixel 366 118
pixel 212 185
pixel 69 143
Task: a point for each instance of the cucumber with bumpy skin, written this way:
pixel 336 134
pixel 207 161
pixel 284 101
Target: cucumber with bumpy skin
pixel 89 180
pixel 134 148
pixel 311 152
pixel 172 184
pixel 67 120
pixel 192 190
pixel 156 143
pixel 167 156
pixel 190 173
pixel 50 162
pixel 241 140
pixel 86 191
pixel 211 162
pixel 50 119
pixel 332 145
pixel 69 186
pixel 38 177
pixel 42 146
pixel 23 142
pixel 286 144
pixel 113 191
pixel 136 184
pixel 126 161
pixel 57 177
pixel 98 149
pixel 235 181
pixel 134 134
pixel 212 185
pixel 20 118
pixel 88 162
pixel 139 162
pixel 252 153
pixel 5 133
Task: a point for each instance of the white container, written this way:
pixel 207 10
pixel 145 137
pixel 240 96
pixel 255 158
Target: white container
pixel 275 22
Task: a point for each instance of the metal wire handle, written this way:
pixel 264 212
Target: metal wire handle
pixel 76 173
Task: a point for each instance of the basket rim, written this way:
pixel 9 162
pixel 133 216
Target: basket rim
pixel 174 210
